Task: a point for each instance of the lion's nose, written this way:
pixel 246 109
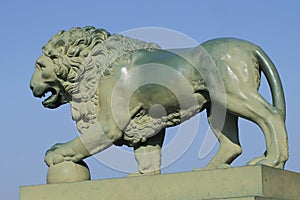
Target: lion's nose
pixel 31 85
pixel 33 89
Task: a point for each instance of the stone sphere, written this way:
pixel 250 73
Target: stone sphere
pixel 68 171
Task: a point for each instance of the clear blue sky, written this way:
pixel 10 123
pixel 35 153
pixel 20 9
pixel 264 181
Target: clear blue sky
pixel 28 129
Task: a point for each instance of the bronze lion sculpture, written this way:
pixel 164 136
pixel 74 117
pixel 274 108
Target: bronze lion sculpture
pixel 124 91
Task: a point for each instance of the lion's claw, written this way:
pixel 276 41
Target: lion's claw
pixel 266 161
pixel 57 158
pixel 256 160
pixel 77 158
pixel 53 158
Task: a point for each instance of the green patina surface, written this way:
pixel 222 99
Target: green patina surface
pixel 126 91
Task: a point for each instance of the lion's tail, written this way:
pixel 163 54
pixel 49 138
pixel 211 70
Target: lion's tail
pixel 274 81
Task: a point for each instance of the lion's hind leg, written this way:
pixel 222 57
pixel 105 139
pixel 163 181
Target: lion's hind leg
pixel 255 108
pixel 225 127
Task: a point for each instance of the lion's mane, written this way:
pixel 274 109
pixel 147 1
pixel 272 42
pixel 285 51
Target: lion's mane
pixel 81 57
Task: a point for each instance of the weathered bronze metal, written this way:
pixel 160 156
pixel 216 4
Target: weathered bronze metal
pixel 124 91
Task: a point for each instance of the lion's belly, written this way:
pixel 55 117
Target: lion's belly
pixel 145 126
pixel 159 100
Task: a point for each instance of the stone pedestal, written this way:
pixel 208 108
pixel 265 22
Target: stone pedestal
pixel 241 183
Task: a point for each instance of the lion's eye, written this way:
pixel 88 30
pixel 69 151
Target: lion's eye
pixel 52 57
pixel 39 65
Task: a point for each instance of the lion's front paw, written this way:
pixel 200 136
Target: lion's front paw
pixel 52 157
pixel 61 152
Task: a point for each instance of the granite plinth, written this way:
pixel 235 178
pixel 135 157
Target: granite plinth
pixel 241 183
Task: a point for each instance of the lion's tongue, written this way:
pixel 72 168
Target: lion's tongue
pixel 50 99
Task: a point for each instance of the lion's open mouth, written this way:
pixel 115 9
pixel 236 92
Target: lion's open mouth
pixel 51 97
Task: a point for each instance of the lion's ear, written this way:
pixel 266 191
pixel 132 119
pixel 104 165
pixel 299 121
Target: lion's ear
pixel 58 46
pixel 59 43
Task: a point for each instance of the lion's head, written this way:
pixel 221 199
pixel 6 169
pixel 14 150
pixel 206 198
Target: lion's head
pixel 72 64
pixel 45 80
pixel 60 66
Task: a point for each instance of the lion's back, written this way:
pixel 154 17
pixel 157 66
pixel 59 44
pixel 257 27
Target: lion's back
pixel 236 60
